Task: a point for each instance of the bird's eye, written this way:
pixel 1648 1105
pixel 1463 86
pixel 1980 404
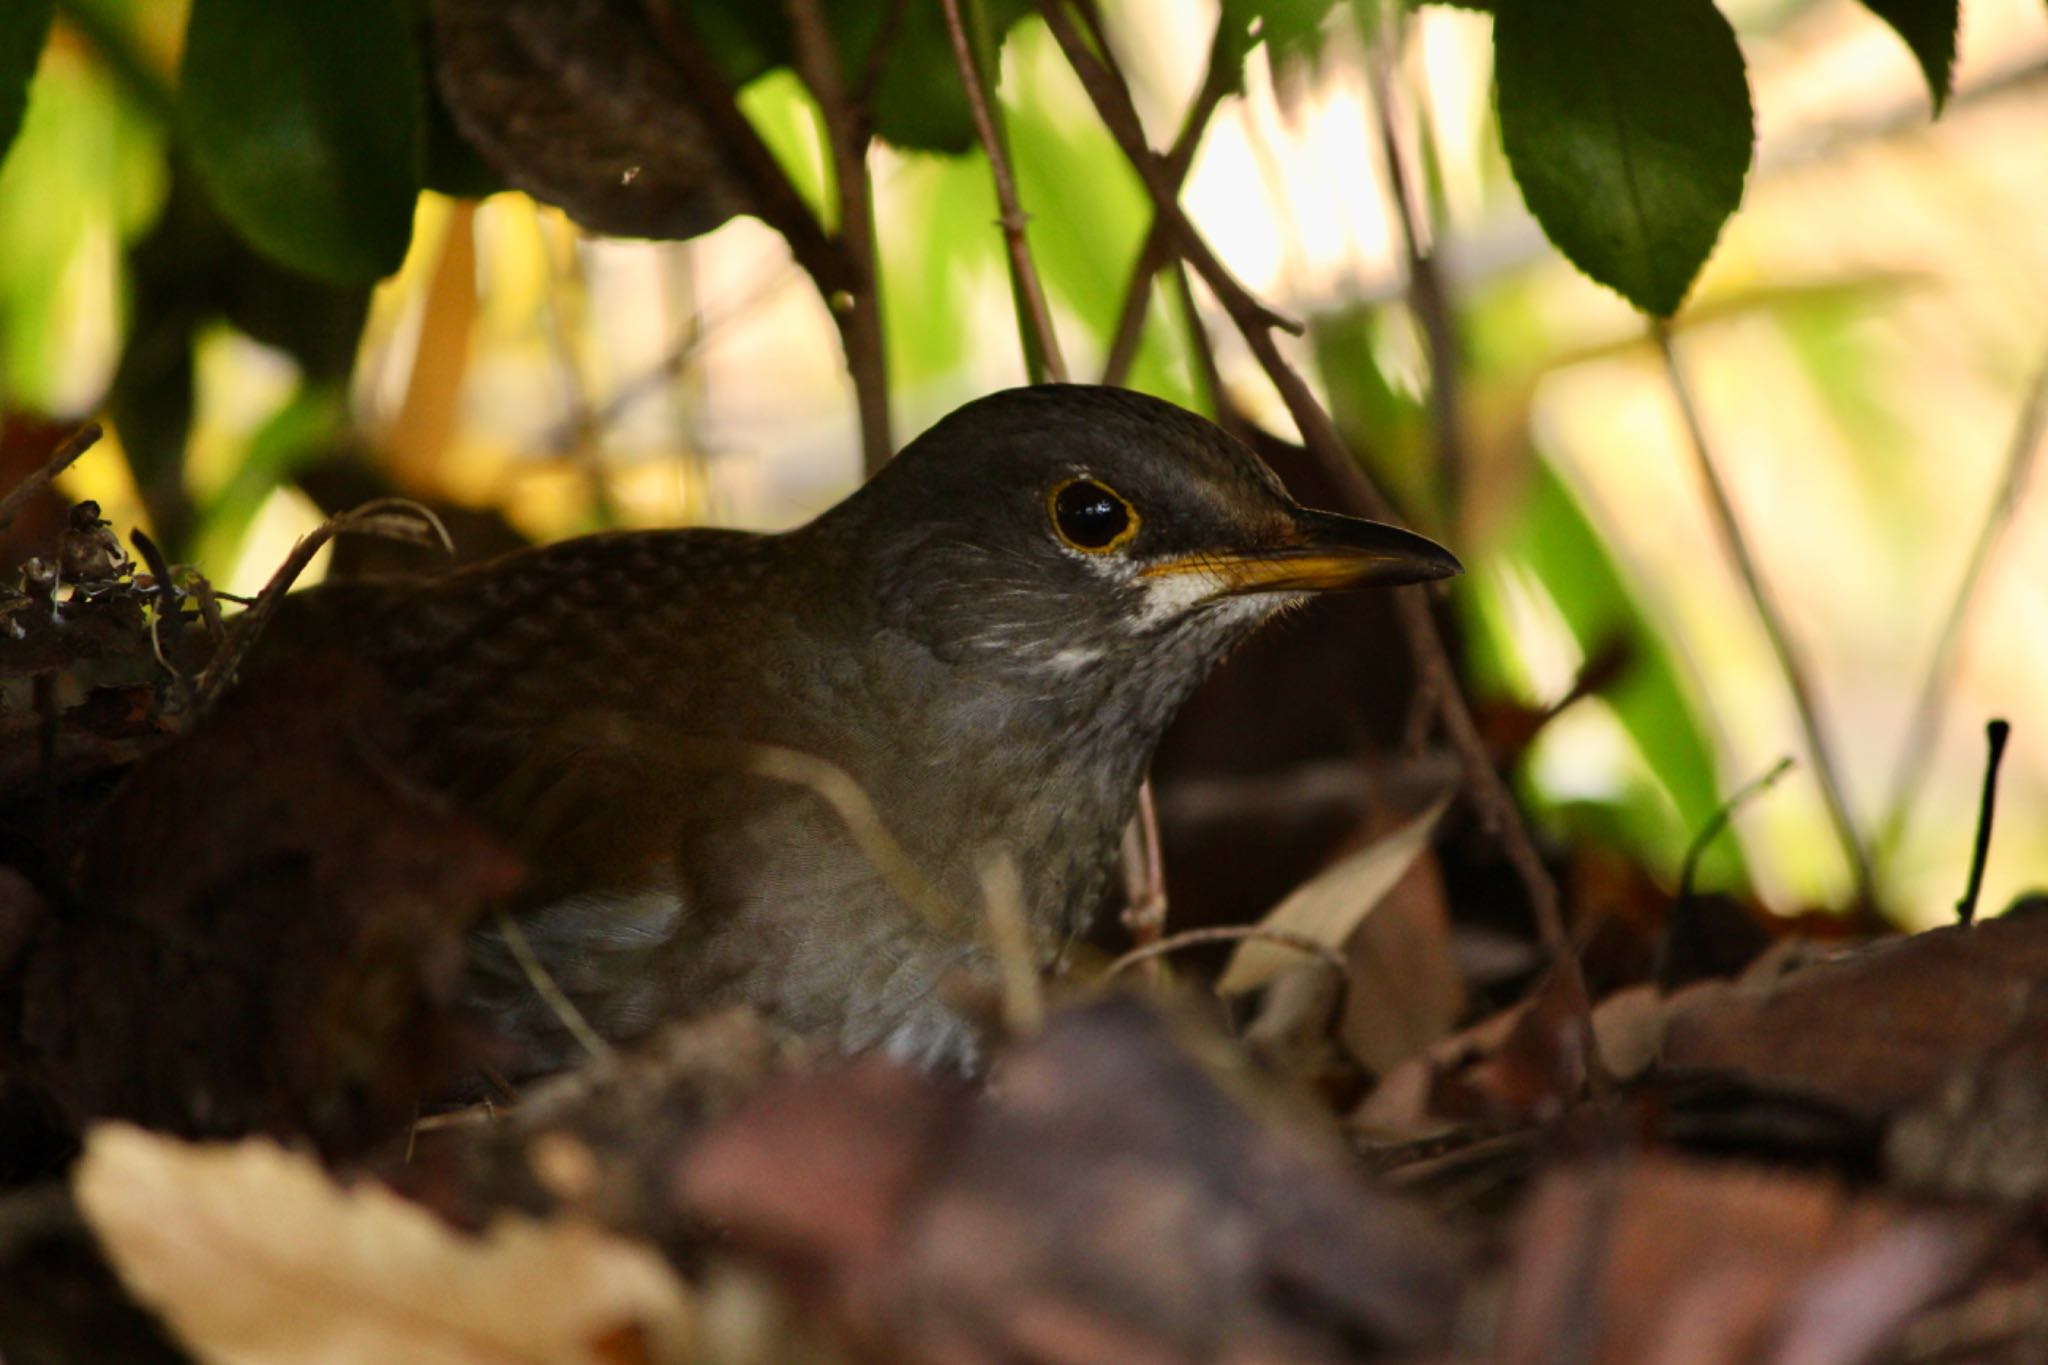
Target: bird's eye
pixel 1091 516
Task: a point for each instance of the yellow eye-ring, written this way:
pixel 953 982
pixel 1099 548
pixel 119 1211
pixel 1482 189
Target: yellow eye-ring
pixel 1091 517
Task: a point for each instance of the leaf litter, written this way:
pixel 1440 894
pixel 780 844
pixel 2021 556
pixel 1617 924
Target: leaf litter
pixel 233 926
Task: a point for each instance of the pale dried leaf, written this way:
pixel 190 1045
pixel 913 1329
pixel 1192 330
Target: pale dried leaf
pixel 1330 905
pixel 250 1253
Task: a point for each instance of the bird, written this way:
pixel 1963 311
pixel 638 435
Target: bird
pixel 777 769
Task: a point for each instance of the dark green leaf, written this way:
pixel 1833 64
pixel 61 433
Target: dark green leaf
pixel 23 26
pixel 577 103
pixel 1287 27
pixel 918 101
pixel 1929 28
pixel 306 120
pixel 1627 125
pixel 1554 541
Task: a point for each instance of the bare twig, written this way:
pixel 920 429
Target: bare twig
pixel 842 267
pixel 1428 301
pixel 1112 101
pixel 1228 933
pixel 1144 916
pixel 166 595
pixel 1041 343
pixel 1995 736
pixel 1255 322
pixel 2020 455
pixel 1797 679
pixel 399 519
pixel 1009 935
pixel 1218 78
pixel 550 992
pixel 62 458
pixel 775 199
pixel 857 308
pixel 1718 821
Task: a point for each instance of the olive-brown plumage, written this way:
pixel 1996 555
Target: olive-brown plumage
pixel 983 646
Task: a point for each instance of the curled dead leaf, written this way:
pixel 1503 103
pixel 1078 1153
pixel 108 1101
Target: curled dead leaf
pixel 251 1253
pixel 1330 905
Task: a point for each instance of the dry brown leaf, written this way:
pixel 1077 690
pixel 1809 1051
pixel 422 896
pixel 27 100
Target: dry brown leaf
pixel 251 1253
pixel 1330 905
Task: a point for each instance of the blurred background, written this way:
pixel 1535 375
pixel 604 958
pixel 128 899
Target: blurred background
pixel 1865 349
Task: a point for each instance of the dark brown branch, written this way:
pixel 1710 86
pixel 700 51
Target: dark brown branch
pixel 1112 101
pixel 775 200
pixel 858 309
pixel 1797 679
pixel 62 458
pixel 399 519
pixel 1041 343
pixel 1217 80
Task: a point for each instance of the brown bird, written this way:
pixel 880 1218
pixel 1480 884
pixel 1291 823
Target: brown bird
pixel 777 768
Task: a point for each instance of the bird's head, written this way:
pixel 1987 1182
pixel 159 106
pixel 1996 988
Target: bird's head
pixel 1062 532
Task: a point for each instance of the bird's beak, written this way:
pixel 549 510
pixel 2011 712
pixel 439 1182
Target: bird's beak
pixel 1322 552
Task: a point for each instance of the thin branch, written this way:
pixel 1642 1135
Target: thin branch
pixel 1255 322
pixel 2020 455
pixel 1718 821
pixel 1144 916
pixel 62 458
pixel 1995 736
pixel 1218 79
pixel 1428 302
pixel 1041 343
pixel 544 985
pixel 1228 933
pixel 1797 679
pixel 857 307
pixel 399 519
pixel 1112 100
pixel 775 200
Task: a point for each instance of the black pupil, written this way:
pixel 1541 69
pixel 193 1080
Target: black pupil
pixel 1090 515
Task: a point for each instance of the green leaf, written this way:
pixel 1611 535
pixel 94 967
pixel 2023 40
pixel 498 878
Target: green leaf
pixel 1289 28
pixel 1929 28
pixel 86 171
pixel 306 121
pixel 23 26
pixel 1627 124
pixel 919 101
pixel 1556 542
pixel 298 433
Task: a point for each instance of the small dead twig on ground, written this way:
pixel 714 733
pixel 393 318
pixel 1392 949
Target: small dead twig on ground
pixel 399 519
pixel 545 986
pixel 1009 934
pixel 1227 933
pixel 166 594
pixel 1798 681
pixel 1995 735
pixel 2020 455
pixel 62 458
